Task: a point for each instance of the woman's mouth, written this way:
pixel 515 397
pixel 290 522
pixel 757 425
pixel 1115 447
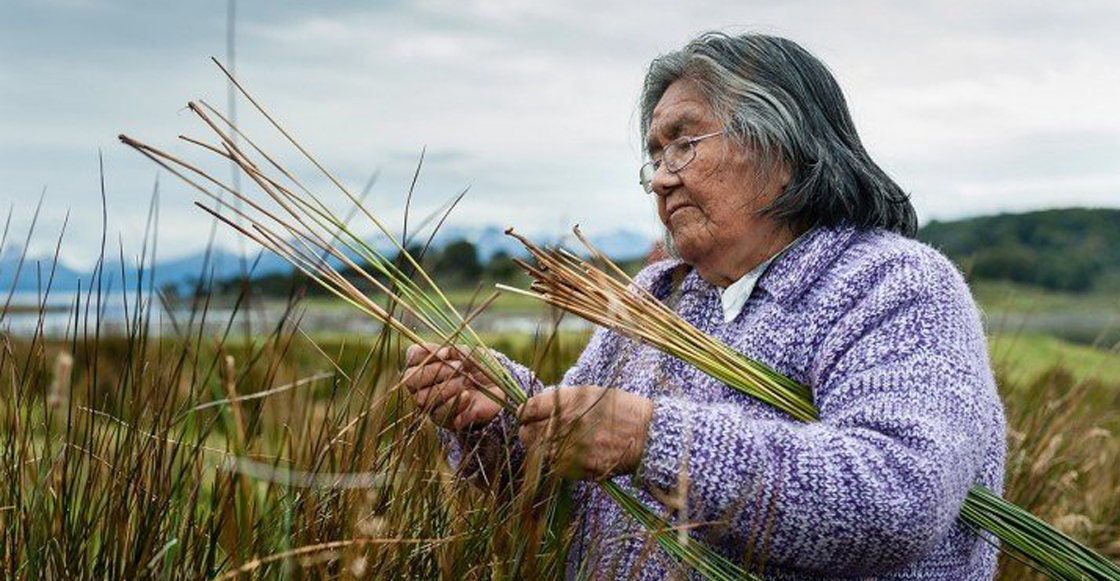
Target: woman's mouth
pixel 671 210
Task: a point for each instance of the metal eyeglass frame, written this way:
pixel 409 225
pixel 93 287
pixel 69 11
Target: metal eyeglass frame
pixel 649 169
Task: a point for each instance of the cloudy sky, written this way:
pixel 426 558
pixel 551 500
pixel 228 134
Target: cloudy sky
pixel 975 107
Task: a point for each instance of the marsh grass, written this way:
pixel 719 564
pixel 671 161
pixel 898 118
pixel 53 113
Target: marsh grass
pixel 200 454
pixel 135 457
pixel 609 298
pixel 1064 445
pixel 285 217
pixel 186 449
pixel 114 469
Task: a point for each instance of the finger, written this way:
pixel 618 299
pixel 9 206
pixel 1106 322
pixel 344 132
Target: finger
pixel 471 410
pixel 452 388
pixel 421 352
pixel 418 352
pixel 447 412
pixel 460 353
pixel 477 375
pixel 417 378
pixel 530 433
pixel 445 352
pixel 539 407
pixel 432 397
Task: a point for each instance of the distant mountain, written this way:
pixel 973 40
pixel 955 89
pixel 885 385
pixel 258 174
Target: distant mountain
pixel 185 271
pixel 34 272
pixel 1074 249
pixel 182 272
pixel 623 244
pixel 490 240
pixel 223 264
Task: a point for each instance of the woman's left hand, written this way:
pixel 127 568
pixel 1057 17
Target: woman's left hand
pixel 591 432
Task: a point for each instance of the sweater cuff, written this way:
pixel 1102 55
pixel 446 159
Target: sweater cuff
pixel 521 374
pixel 485 451
pixel 667 442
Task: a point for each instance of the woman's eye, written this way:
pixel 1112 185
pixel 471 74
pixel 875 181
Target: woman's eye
pixel 675 150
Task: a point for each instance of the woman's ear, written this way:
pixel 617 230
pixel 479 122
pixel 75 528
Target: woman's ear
pixel 776 182
pixel 784 175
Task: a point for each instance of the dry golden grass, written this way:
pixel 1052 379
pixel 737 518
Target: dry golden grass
pixel 110 475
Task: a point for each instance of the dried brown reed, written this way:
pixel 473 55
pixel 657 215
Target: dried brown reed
pixel 566 281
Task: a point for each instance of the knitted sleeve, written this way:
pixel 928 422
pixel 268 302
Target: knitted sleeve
pixel 880 478
pixel 495 450
pixel 491 453
pixel 491 450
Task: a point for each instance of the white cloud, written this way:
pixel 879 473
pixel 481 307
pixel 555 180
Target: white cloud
pixel 973 107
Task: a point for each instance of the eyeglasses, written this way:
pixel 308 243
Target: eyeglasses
pixel 678 154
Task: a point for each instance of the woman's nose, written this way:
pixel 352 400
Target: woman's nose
pixel 664 181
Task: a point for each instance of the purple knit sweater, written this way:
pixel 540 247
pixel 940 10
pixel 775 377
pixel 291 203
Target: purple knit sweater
pixel 885 332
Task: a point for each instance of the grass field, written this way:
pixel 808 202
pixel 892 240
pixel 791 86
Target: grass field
pixel 1026 357
pixel 199 456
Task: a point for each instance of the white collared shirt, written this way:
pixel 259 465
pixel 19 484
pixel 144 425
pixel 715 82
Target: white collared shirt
pixel 735 296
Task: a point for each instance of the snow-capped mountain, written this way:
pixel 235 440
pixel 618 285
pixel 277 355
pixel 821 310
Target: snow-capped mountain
pixel 220 264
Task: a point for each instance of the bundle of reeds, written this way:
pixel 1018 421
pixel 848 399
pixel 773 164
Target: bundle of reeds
pixel 566 281
pixel 303 230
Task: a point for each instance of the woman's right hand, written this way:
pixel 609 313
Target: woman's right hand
pixel 448 386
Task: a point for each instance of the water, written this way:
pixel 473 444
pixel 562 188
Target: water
pixel 116 312
pixel 113 312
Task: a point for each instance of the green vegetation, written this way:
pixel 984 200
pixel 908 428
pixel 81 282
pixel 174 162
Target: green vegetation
pixel 201 456
pixel 456 266
pixel 578 286
pixel 198 456
pixel 113 468
pixel 214 455
pixel 998 296
pixel 1075 249
pixel 1025 358
pixel 1089 319
pixel 308 235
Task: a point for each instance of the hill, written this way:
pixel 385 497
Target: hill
pixel 224 265
pixel 1073 249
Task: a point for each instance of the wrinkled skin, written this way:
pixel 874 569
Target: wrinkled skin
pixel 449 387
pixel 711 209
pixel 591 432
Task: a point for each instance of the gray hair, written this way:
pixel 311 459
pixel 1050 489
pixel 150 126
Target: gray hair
pixel 783 105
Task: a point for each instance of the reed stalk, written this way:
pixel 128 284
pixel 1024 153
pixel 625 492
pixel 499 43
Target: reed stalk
pixel 568 282
pixel 295 224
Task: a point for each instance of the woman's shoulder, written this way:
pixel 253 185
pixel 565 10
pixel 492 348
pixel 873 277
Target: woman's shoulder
pixel 659 276
pixel 881 251
pixel 880 262
pixel 876 247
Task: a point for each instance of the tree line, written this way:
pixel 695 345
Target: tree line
pixel 1074 249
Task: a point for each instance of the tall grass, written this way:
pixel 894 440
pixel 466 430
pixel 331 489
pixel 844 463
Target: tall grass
pixel 119 461
pixel 1064 445
pixel 569 282
pixel 195 456
pixel 192 454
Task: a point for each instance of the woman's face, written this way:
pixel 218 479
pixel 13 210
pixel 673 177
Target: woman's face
pixel 711 206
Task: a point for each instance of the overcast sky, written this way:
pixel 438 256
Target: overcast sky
pixel 974 107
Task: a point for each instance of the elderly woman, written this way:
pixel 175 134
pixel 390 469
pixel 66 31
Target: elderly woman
pixel 791 245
